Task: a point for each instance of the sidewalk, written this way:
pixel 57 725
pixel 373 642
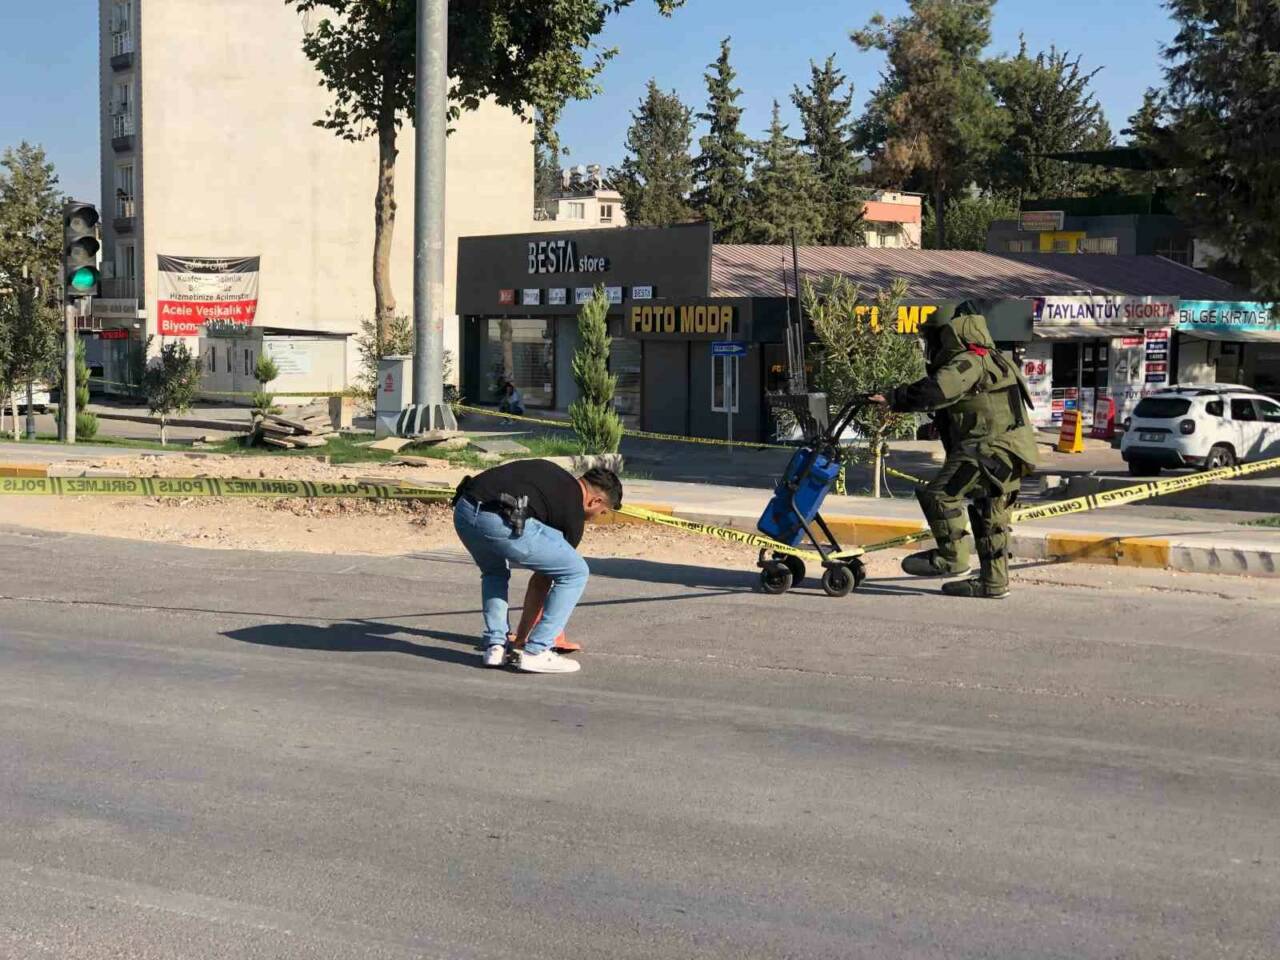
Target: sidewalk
pixel 1120 536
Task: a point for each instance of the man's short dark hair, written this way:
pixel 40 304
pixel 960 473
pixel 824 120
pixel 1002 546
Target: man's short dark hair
pixel 607 482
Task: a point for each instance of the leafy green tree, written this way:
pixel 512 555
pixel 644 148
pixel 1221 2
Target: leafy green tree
pixel 825 112
pixel 30 267
pixel 720 170
pixel 933 122
pixel 657 175
pixel 968 219
pixel 264 371
pixel 859 350
pixel 531 56
pixel 1050 109
pixel 1224 87
pixel 781 196
pixel 546 178
pixel 593 416
pixel 170 382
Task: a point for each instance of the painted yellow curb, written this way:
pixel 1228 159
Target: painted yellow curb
pixel 23 470
pixel 860 531
pixel 1114 551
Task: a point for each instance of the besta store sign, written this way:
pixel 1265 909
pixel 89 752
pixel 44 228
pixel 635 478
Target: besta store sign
pixel 561 256
pixel 683 322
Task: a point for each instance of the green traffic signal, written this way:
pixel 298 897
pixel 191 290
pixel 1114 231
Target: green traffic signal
pixel 83 279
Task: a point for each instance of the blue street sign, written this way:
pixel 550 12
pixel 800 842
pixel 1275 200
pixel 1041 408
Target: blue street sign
pixel 728 348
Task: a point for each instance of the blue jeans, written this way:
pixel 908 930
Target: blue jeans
pixel 541 549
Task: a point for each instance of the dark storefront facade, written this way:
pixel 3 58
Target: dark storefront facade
pixel 518 298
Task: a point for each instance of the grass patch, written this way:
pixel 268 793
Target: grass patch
pixel 1265 522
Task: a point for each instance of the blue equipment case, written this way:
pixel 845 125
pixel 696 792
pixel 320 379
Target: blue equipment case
pixel 811 475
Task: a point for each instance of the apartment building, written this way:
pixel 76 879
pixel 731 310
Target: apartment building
pixel 585 200
pixel 210 155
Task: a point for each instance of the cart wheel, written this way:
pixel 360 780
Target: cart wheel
pixel 794 564
pixel 838 580
pixel 775 578
pixel 859 572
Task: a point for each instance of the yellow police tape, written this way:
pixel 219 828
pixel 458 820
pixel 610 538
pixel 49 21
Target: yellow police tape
pixel 233 393
pixel 1109 498
pixel 648 435
pixel 216 487
pixel 732 536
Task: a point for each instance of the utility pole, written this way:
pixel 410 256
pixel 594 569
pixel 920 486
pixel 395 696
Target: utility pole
pixel 67 402
pixel 430 413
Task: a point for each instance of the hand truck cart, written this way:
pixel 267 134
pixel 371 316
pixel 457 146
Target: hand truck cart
pixel 792 513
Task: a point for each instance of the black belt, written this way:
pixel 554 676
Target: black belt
pixel 488 506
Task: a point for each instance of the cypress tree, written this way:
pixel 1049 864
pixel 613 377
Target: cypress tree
pixel 593 417
pixel 825 112
pixel 781 195
pixel 720 170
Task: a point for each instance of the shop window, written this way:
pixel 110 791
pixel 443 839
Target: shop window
pixel 1020 246
pixel 524 349
pixel 718 370
pixel 248 363
pixel 1105 245
pixel 624 364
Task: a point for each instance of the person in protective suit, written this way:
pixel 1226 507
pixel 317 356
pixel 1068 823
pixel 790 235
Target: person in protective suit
pixel 979 401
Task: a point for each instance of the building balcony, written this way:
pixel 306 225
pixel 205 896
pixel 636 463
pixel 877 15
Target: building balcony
pixel 124 222
pixel 123 132
pixel 122 51
pixel 121 288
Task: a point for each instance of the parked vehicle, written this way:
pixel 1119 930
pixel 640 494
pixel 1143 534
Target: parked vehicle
pixel 40 398
pixel 1200 425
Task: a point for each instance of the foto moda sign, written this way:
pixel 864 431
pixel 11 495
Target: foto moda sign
pixel 195 290
pixel 1104 311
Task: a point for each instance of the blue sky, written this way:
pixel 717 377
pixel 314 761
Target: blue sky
pixel 49 85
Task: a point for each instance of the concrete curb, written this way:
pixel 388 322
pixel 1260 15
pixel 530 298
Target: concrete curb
pixel 222 426
pixel 1161 553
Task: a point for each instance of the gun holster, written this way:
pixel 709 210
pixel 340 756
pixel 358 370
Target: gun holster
pixel 514 510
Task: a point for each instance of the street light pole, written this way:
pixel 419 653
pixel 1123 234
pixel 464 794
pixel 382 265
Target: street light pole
pixel 431 413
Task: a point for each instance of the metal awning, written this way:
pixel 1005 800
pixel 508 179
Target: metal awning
pixel 1238 336
pixel 1082 331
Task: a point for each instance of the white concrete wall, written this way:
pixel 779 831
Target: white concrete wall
pixel 233 166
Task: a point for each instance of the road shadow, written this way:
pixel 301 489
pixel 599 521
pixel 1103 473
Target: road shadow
pixel 360 637
pixel 677 574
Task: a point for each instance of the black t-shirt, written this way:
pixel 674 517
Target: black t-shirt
pixel 555 497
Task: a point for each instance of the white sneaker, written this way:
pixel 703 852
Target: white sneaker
pixel 548 661
pixel 495 655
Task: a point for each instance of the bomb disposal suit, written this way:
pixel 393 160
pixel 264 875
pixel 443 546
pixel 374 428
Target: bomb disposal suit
pixel 979 401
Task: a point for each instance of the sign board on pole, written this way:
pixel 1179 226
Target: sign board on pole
pixel 728 348
pixel 1041 221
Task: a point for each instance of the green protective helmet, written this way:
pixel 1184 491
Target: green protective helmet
pixel 947 338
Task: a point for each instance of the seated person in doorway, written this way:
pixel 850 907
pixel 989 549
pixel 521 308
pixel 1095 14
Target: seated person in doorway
pixel 511 400
pixel 531 513
pixel 979 402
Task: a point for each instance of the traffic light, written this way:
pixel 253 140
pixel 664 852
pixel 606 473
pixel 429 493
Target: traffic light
pixel 80 249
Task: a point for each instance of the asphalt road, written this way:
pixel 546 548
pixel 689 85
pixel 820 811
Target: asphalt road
pixel 222 755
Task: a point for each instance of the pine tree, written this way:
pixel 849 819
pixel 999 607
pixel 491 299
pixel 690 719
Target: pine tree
pixel 720 170
pixel 1222 142
pixel 657 174
pixel 825 112
pixel 782 193
pixel 1051 110
pixel 933 123
pixel 593 417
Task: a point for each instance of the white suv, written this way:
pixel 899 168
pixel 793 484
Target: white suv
pixel 1200 425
